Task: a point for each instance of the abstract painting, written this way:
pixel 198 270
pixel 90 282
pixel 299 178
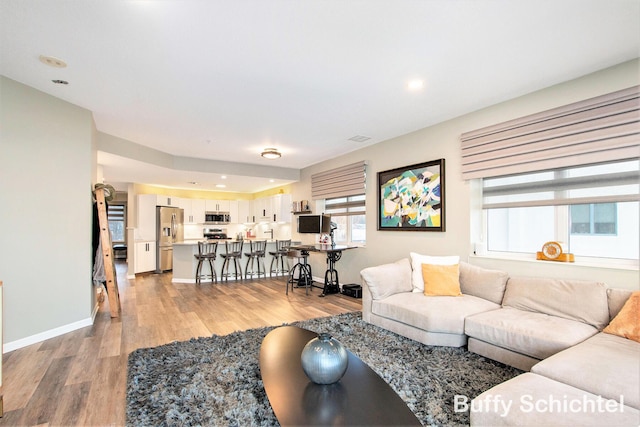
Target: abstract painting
pixel 412 198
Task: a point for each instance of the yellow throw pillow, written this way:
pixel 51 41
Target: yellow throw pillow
pixel 626 324
pixel 441 280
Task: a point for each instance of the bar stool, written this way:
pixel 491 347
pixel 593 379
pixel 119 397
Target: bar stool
pixel 278 256
pixel 233 253
pixel 206 252
pixel 302 268
pixel 256 254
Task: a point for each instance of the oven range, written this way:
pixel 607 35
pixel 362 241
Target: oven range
pixel 215 234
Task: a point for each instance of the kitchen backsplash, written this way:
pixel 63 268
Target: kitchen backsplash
pixel 259 231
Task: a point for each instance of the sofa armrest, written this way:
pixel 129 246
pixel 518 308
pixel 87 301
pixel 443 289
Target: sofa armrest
pixel 384 280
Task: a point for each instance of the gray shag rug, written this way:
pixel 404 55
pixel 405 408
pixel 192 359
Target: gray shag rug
pixel 216 381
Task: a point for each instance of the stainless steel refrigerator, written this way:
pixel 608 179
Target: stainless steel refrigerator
pixel 170 223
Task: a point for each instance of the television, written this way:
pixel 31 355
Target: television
pixel 314 224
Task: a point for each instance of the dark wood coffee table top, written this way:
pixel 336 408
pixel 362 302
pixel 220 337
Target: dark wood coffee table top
pixel 361 397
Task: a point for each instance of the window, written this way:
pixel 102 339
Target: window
pixel 349 215
pixel 594 218
pixel 593 210
pixel 116 215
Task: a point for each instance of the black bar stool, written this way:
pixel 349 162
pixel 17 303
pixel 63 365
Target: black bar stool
pixel 233 253
pixel 279 256
pixel 256 254
pixel 206 252
pixel 303 270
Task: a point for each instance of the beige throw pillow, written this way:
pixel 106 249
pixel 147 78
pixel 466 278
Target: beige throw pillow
pixel 416 264
pixel 441 280
pixel 627 323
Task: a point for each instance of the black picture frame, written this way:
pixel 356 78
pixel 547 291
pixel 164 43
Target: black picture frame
pixel 412 198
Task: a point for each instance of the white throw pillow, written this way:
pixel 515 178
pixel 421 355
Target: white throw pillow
pixel 417 260
pixel 388 279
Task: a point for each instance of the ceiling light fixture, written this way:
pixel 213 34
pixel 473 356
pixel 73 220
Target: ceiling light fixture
pixel 271 153
pixel 415 85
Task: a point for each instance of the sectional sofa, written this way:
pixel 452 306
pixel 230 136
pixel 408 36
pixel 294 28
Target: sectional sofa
pixel 580 370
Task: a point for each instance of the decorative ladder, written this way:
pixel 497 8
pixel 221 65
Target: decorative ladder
pixel 107 254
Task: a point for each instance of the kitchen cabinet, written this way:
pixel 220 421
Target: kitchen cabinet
pixel 262 209
pixel 146 217
pixel 273 209
pixel 281 205
pixel 162 200
pixel 145 256
pixel 218 205
pixel 233 211
pixel 193 210
pixel 245 214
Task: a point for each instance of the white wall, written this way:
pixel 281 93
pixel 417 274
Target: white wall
pixel 47 164
pixel 462 207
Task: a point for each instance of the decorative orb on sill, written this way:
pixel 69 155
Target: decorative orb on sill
pixel 324 359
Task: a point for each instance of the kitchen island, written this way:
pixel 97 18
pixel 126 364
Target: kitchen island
pixel 185 262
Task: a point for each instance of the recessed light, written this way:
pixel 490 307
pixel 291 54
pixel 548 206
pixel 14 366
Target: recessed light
pixel 223 177
pixel 415 84
pixel 52 62
pixel 272 180
pixel 220 186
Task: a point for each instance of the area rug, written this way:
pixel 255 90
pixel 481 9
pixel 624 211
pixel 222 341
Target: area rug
pixel 216 381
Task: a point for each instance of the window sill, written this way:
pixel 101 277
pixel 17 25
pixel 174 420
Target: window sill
pixel 529 258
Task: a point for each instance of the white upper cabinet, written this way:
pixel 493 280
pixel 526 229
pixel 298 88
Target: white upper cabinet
pixel 245 214
pixel 162 200
pixel 273 209
pixel 282 207
pixel 193 210
pixel 262 209
pixel 146 217
pixel 233 211
pixel 218 205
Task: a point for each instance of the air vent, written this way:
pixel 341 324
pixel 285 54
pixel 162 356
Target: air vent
pixel 359 138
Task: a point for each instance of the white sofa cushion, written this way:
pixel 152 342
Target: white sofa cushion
pixel 534 400
pixel 536 335
pixel 604 364
pixel 579 300
pixel 442 314
pixel 416 265
pixel 388 279
pixel 483 283
pixel 616 299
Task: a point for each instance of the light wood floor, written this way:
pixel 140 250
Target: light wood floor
pixel 80 378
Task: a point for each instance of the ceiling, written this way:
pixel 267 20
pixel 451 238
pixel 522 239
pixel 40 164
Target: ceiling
pixel 223 80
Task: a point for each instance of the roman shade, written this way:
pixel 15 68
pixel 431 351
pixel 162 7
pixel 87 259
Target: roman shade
pixel 613 182
pixel 348 180
pixel 601 129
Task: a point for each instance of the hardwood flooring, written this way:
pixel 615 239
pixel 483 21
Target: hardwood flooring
pixel 79 379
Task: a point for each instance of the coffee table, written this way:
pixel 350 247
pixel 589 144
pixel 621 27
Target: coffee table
pixel 361 397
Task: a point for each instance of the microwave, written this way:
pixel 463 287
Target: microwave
pixel 217 218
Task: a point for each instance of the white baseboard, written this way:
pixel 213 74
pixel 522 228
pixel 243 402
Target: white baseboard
pixel 51 333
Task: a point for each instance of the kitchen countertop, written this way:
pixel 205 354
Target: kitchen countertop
pixel 187 242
